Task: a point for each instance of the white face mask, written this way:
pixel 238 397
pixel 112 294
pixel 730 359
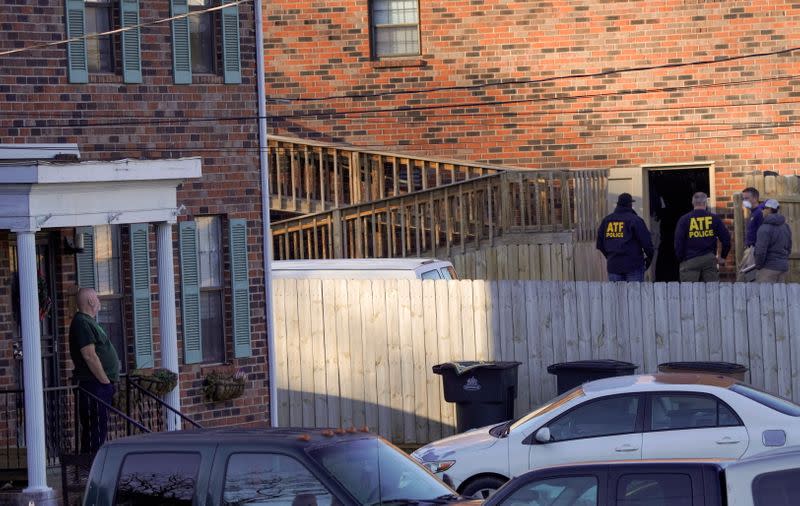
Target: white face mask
pixel 747 204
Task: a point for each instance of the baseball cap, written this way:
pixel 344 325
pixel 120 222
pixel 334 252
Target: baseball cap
pixel 625 199
pixel 772 204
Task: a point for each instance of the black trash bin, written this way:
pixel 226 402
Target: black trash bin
pixel 484 392
pixel 735 371
pixel 572 374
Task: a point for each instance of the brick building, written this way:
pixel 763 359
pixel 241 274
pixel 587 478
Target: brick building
pixel 542 85
pixel 125 152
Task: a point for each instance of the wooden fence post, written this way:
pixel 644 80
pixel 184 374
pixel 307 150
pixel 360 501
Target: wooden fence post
pixel 336 231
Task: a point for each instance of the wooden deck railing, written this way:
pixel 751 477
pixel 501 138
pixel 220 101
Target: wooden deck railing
pixel 450 218
pixel 308 176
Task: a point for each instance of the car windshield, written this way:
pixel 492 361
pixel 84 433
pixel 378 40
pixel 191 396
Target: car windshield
pixel 374 472
pixel 776 403
pixel 556 403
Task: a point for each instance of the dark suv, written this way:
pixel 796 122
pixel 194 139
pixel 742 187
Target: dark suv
pixel 292 467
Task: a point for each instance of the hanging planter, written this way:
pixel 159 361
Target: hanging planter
pixel 159 382
pixel 224 387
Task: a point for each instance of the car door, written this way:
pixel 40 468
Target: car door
pixel 608 428
pixel 674 418
pixel 560 487
pixel 655 486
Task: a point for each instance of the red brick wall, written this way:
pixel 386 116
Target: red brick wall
pixel 317 50
pixel 109 119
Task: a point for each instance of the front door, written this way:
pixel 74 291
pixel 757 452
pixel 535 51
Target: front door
pixel 601 429
pixel 45 265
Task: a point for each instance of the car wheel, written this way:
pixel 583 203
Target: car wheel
pixel 482 488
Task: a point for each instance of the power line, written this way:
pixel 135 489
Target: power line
pixel 604 73
pixel 462 146
pixel 637 92
pixel 121 30
pixel 146 120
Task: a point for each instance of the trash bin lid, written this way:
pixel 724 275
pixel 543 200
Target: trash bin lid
pixel 592 365
pixel 721 367
pixel 460 367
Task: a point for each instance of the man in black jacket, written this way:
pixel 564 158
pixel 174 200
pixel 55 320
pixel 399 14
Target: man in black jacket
pixel 773 245
pixel 696 239
pixel 624 240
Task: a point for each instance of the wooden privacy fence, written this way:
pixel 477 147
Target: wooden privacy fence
pixel 450 219
pixel 351 353
pixel 310 176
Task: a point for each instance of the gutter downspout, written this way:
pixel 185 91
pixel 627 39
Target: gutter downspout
pixel 265 219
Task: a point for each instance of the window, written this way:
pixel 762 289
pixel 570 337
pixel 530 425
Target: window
pixel 157 478
pixel 201 36
pixel 567 490
pixel 431 274
pixel 107 275
pixel 604 417
pixel 99 50
pixel 271 479
pixel 375 472
pixel 778 488
pixel 209 246
pixel 654 490
pixel 768 400
pixel 395 28
pixel 680 411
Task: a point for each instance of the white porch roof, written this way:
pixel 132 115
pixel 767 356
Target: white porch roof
pixel 43 194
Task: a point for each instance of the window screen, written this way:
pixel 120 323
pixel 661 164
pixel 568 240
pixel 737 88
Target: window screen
pixel 395 27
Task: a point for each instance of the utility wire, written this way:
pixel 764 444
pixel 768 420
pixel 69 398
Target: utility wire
pixel 565 98
pixel 604 73
pixel 121 30
pixel 139 120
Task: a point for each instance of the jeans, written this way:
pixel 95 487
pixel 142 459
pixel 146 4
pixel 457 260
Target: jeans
pixel 93 414
pixel 637 275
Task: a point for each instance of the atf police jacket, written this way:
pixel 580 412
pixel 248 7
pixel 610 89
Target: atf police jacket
pixel 697 233
pixel 624 240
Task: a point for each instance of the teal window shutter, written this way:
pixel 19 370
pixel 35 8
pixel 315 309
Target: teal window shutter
pixel 231 59
pixel 142 313
pixel 76 50
pixel 240 278
pixel 131 42
pixel 190 294
pixel 181 46
pixel 85 259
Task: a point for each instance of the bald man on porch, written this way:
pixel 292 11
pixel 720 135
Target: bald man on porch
pixel 96 369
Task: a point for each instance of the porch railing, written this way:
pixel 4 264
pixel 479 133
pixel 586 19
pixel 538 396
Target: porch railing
pixel 450 218
pixel 310 176
pixel 134 411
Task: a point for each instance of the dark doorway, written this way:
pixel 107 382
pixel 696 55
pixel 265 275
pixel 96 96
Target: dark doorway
pixel 670 192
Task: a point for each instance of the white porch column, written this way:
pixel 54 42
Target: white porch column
pixel 32 362
pixel 166 316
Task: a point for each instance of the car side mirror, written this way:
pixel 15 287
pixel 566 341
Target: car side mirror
pixel 543 435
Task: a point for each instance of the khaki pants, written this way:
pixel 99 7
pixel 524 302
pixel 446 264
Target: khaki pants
pixel 770 276
pixel 702 268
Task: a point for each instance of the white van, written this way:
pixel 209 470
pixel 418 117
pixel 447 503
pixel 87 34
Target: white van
pixel 367 268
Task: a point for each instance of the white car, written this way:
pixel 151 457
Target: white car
pixel 661 416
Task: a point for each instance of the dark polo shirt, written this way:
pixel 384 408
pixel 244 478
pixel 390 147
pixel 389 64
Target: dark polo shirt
pixel 83 331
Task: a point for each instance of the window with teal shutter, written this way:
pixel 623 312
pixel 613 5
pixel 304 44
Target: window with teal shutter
pixel 85 259
pixel 142 313
pixel 240 278
pixel 76 50
pixel 131 42
pixel 190 293
pixel 231 59
pixel 181 45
